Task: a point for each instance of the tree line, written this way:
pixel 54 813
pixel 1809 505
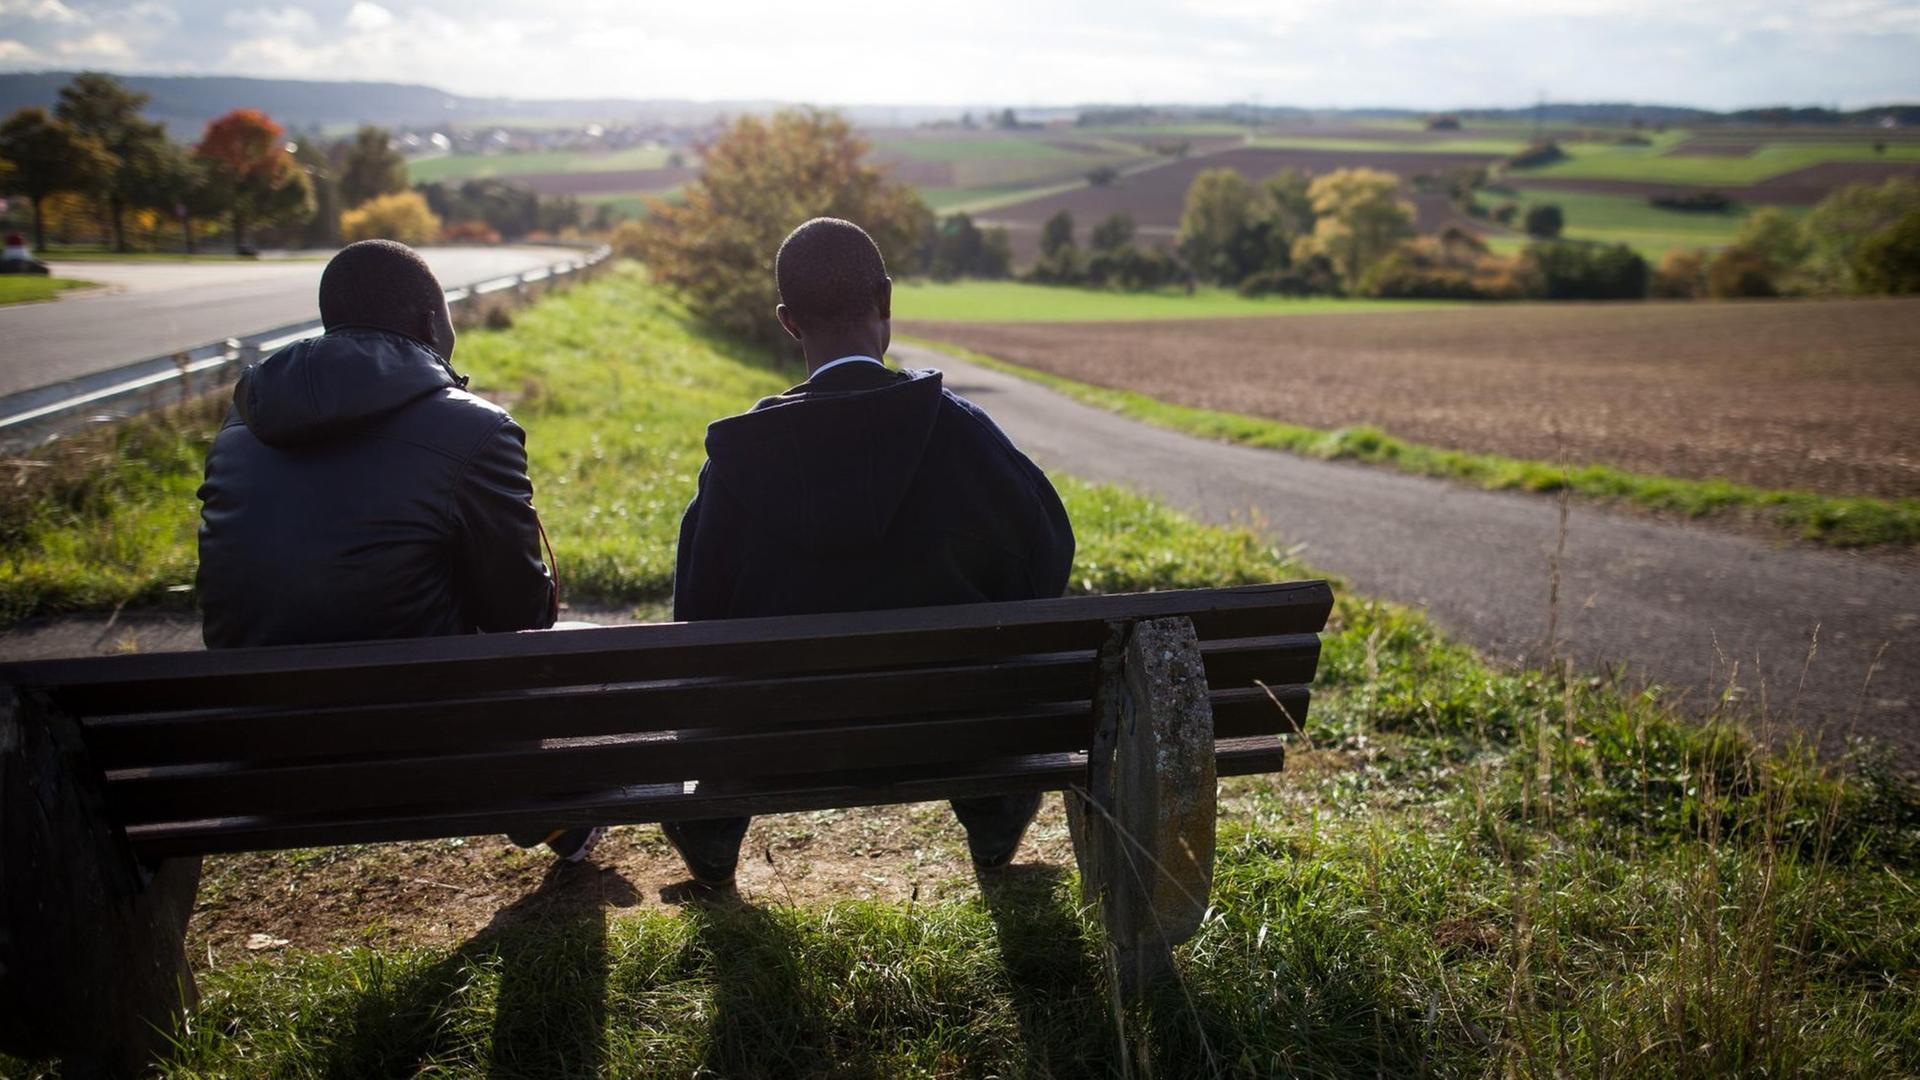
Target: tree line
pixel 96 146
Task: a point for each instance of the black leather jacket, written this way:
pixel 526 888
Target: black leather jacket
pixel 357 492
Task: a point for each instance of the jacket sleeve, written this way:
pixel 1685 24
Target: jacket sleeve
pixel 505 582
pixel 700 572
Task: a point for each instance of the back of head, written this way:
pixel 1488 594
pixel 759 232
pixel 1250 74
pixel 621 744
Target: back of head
pixel 830 274
pixel 381 284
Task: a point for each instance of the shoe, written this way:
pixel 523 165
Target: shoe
pixel 995 826
pixel 574 845
pixel 711 868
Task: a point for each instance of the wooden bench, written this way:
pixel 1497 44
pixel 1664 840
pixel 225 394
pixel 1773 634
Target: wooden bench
pixel 117 772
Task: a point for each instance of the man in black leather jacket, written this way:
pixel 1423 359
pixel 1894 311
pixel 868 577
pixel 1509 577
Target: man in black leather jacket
pixel 358 492
pixel 862 488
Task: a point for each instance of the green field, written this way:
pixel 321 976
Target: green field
pixel 957 147
pixel 1467 145
pixel 457 167
pixel 27 288
pixel 1464 870
pixel 1596 161
pixel 1629 220
pixel 1012 301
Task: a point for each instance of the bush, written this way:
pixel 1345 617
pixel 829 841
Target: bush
pixel 402 216
pixel 1313 276
pixel 1682 276
pixel 960 248
pixel 1571 270
pixel 1103 176
pixel 1132 267
pixel 1452 266
pixel 1839 227
pixel 1056 234
pixel 470 232
pixel 1738 272
pixel 1889 260
pixel 1694 202
pixel 1536 155
pixel 1545 221
pixel 628 240
pixel 1506 212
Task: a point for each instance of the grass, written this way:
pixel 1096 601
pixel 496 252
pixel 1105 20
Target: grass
pixel 1464 145
pixel 1599 161
pixel 972 148
pixel 1465 872
pixel 1632 220
pixel 28 288
pixel 454 168
pixel 1837 520
pixel 1011 301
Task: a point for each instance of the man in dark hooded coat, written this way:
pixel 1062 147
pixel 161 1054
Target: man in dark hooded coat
pixel 358 492
pixel 862 488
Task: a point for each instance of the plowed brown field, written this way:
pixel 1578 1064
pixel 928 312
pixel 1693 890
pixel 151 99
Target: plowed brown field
pixel 1820 395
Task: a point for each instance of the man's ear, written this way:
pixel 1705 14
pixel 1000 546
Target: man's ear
pixel 786 322
pixel 883 298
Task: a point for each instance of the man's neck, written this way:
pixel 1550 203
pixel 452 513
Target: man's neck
pixel 818 353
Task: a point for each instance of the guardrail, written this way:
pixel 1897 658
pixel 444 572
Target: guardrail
pixel 35 416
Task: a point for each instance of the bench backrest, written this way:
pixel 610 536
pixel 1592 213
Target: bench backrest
pixel 266 748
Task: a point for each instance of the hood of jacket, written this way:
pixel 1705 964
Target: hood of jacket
pixel 827 470
pixel 322 387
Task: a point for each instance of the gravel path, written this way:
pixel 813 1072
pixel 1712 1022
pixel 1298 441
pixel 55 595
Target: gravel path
pixel 1664 602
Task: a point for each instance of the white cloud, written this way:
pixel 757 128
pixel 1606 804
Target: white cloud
pixel 286 20
pixel 99 45
pixel 45 11
pixel 366 17
pixel 17 52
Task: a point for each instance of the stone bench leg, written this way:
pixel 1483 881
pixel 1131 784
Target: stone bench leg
pixel 1143 830
pixel 93 966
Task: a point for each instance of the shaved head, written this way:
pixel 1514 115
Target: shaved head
pixel 830 274
pixel 387 286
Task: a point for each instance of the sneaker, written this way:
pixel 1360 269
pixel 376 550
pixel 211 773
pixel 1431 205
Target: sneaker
pixel 574 845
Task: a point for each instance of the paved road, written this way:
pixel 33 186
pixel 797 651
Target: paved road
pixel 153 308
pixel 1677 605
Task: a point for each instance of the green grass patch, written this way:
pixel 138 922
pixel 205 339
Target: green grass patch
pixel 1601 161
pixel 1840 521
pixel 1632 220
pixel 27 288
pixel 1013 301
pixel 1471 871
pixel 1464 145
pixel 453 168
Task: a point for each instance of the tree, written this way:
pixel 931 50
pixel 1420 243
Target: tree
pixel 1571 270
pixel 175 182
pixel 249 166
pixel 323 229
pixel 1777 237
pixel 102 107
pixel 1843 221
pixel 370 167
pixel 1221 204
pixel 1737 272
pixel 50 157
pixel 401 216
pixel 963 249
pixel 1358 219
pixel 1545 221
pixel 1889 260
pixel 1057 234
pixel 1113 234
pixel 1292 193
pixel 763 177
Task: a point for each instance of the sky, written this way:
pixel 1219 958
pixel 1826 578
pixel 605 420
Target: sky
pixel 1420 54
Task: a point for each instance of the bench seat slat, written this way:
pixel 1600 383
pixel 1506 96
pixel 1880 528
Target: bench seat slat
pixel 639 805
pixel 558 767
pixel 436 668
pixel 463 725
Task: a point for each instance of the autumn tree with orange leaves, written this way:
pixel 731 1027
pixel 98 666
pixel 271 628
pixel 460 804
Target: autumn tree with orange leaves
pixel 252 174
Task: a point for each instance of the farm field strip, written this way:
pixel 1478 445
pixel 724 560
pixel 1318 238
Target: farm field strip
pixel 1007 301
pixel 1814 396
pixel 457 167
pixel 1586 161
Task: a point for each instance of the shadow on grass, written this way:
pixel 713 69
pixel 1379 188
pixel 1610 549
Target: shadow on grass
pixel 547 956
pixel 1053 977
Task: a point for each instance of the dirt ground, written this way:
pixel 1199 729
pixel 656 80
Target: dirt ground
pixel 444 892
pixel 1815 395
